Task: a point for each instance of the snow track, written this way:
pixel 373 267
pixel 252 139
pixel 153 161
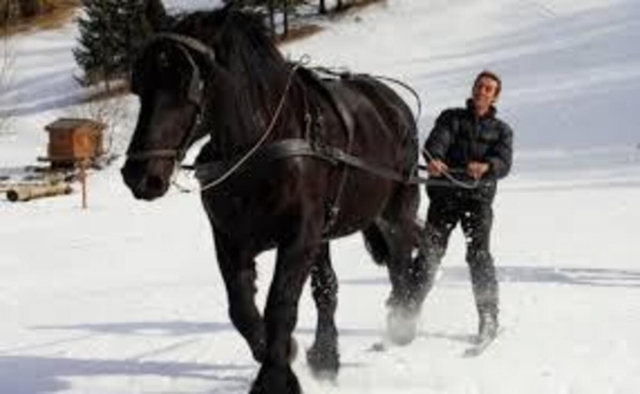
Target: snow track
pixel 126 296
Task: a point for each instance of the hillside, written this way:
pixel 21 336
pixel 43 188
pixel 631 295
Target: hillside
pixel 126 297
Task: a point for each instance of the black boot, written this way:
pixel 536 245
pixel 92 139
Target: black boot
pixel 485 291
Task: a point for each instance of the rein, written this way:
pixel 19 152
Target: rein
pixel 448 174
pixel 197 85
pixel 346 74
pixel 301 147
pixel 416 179
pixel 262 139
pixel 287 148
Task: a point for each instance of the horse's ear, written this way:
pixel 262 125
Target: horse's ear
pixel 156 14
pixel 231 6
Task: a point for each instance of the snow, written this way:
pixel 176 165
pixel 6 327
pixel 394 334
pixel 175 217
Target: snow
pixel 126 297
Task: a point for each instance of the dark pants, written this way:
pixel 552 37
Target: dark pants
pixel 475 218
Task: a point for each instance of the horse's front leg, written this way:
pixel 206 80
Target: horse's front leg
pixel 323 356
pixel 238 270
pixel 295 258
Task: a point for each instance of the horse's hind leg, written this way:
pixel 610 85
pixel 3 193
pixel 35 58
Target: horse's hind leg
pixel 238 271
pixel 323 357
pixel 408 277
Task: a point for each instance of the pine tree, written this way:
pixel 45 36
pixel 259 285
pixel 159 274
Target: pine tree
pixel 111 32
pixel 134 28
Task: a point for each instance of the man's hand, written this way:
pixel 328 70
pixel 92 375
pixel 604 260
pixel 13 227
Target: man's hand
pixel 437 167
pixel 476 169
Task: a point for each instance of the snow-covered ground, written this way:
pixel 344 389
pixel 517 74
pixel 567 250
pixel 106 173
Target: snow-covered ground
pixel 125 297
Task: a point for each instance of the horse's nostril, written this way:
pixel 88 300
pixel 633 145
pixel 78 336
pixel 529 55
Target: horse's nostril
pixel 155 184
pixel 128 175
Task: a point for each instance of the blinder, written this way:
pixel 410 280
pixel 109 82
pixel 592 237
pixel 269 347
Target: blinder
pixel 195 89
pixel 185 44
pixel 195 94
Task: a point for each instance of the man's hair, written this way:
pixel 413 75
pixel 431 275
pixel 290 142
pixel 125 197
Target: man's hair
pixel 491 75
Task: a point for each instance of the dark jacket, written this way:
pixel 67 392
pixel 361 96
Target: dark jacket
pixel 460 137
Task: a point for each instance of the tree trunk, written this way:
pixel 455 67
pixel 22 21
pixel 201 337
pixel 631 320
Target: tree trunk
pixel 9 11
pixel 285 22
pixel 29 8
pixel 5 11
pixel 272 17
pixel 322 8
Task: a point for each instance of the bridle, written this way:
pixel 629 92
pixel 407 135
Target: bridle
pixel 195 94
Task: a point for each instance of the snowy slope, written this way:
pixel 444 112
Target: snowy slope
pixel 126 296
pixel 570 69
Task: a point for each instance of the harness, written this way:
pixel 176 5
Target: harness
pixel 213 173
pixel 348 124
pixel 311 146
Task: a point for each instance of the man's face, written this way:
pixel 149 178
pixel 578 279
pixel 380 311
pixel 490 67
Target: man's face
pixel 485 93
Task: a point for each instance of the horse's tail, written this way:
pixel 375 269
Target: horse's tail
pixel 377 239
pixel 376 243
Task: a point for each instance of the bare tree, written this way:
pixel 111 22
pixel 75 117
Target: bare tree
pixel 286 9
pixel 29 8
pixel 8 11
pixel 271 9
pixel 7 60
pixel 322 7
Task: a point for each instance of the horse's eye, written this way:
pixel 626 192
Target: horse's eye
pixel 163 60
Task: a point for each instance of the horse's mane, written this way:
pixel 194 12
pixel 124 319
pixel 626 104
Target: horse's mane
pixel 243 46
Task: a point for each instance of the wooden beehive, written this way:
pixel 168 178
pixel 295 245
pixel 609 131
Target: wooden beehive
pixel 74 139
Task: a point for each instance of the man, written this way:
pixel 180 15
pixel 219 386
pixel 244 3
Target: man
pixel 468 150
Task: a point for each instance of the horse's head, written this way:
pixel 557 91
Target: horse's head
pixel 169 79
pixel 177 77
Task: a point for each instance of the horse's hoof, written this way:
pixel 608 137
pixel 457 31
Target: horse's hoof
pixel 402 326
pixel 324 364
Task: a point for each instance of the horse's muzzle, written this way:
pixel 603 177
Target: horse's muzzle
pixel 143 185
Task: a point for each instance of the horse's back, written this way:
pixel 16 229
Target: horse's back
pixel 382 115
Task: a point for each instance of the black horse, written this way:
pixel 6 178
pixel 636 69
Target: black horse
pixel 284 168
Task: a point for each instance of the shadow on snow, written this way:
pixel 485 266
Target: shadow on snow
pixel 32 374
pixel 595 277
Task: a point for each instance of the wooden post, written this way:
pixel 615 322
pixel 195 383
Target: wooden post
pixel 83 181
